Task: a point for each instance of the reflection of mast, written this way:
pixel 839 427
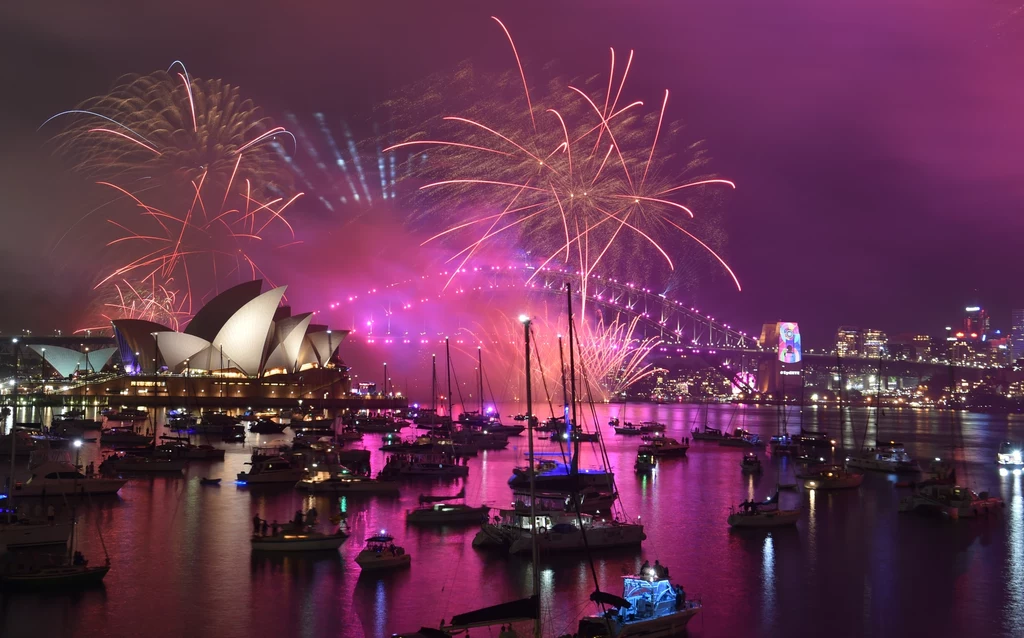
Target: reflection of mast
pixel 533 483
pixel 448 366
pixel 575 462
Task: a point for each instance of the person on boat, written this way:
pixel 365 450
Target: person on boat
pixel 273 528
pixel 78 558
pixel 255 524
pixel 263 527
pixel 297 519
pixel 50 514
pixel 645 568
pixel 311 516
pixel 659 571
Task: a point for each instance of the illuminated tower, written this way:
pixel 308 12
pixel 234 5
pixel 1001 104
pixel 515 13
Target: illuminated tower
pixel 976 323
pixel 1017 335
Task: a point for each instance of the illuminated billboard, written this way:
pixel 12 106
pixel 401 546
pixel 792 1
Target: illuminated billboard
pixel 789 342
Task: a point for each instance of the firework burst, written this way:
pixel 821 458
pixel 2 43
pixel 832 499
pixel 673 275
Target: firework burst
pixel 577 180
pixel 207 164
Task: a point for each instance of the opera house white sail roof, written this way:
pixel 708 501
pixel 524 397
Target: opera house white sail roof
pixel 242 329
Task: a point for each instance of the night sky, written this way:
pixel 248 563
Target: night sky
pixel 876 144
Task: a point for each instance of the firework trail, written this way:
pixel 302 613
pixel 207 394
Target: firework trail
pixel 609 356
pixel 208 165
pixel 176 128
pixel 577 180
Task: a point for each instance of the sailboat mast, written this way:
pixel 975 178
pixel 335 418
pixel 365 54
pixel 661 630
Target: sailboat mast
pixel 565 395
pixel 14 420
pixel 448 366
pixel 433 386
pixel 533 480
pixel 480 378
pixel 572 379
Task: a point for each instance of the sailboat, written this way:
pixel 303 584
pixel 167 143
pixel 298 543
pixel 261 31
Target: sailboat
pixel 47 571
pixel 16 531
pixel 952 501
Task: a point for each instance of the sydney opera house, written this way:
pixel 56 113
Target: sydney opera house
pixel 243 345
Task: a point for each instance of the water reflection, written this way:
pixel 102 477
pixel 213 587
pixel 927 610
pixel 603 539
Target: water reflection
pixel 1015 563
pixel 768 582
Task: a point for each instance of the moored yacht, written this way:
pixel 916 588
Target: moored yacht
pixel 763 514
pixel 56 477
pixel 409 465
pixel 1009 454
pixel 952 501
pixel 706 434
pixel 555 476
pixel 741 438
pixel 123 435
pixel 831 477
pixel 267 466
pixel 17 532
pixel 567 535
pixel 347 483
pixel 645 461
pixel 665 446
pixel 889 457
pixel 447 513
pixel 750 464
pixel 121 462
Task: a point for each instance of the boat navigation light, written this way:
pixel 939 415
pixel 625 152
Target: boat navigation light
pixel 821 458
pixel 938 460
pixel 833 441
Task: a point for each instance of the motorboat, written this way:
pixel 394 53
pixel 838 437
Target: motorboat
pixel 554 476
pixel 446 513
pixel 647 427
pixel 645 461
pixel 813 439
pixel 123 435
pixel 750 464
pixel 292 540
pixel 890 457
pixel 506 430
pixel 45 571
pixel 75 419
pixel 831 477
pixel 566 534
pixel 122 462
pixel 783 444
pixel 663 446
pixel 349 434
pixel 267 466
pixel 706 433
pixel 741 438
pixel 184 450
pixel 952 501
pixel 763 514
pixel 266 426
pixel 650 606
pixel 409 465
pixel 379 424
pixel 56 478
pixel 125 416
pixel 382 553
pixel 17 532
pixel 345 483
pixel 1009 454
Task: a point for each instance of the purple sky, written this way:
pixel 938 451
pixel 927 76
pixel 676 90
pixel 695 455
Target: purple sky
pixel 875 142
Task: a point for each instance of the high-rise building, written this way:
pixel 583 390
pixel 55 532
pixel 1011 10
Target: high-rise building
pixel 976 323
pixel 873 343
pixel 923 347
pixel 847 338
pixel 1017 335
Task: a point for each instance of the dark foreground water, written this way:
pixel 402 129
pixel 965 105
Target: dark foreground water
pixel 853 566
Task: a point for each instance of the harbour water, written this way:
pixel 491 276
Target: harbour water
pixel 853 566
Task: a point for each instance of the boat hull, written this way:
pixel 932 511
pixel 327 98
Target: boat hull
pixel 87 486
pixel 285 543
pixel 667 626
pixel 432 517
pixel 17 535
pixel 889 467
pixel 272 478
pixel 597 538
pixel 838 483
pixel 56 578
pixel 382 488
pixel 780 518
pixel 374 561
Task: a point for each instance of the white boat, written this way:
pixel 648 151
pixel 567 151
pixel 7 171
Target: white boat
pixel 290 540
pixel 952 501
pixel 124 435
pixel 567 535
pixel 1009 454
pixel 890 457
pixel 131 463
pixel 650 607
pixel 271 469
pixel 831 477
pixel 382 553
pixel 55 477
pixel 16 532
pixel 325 482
